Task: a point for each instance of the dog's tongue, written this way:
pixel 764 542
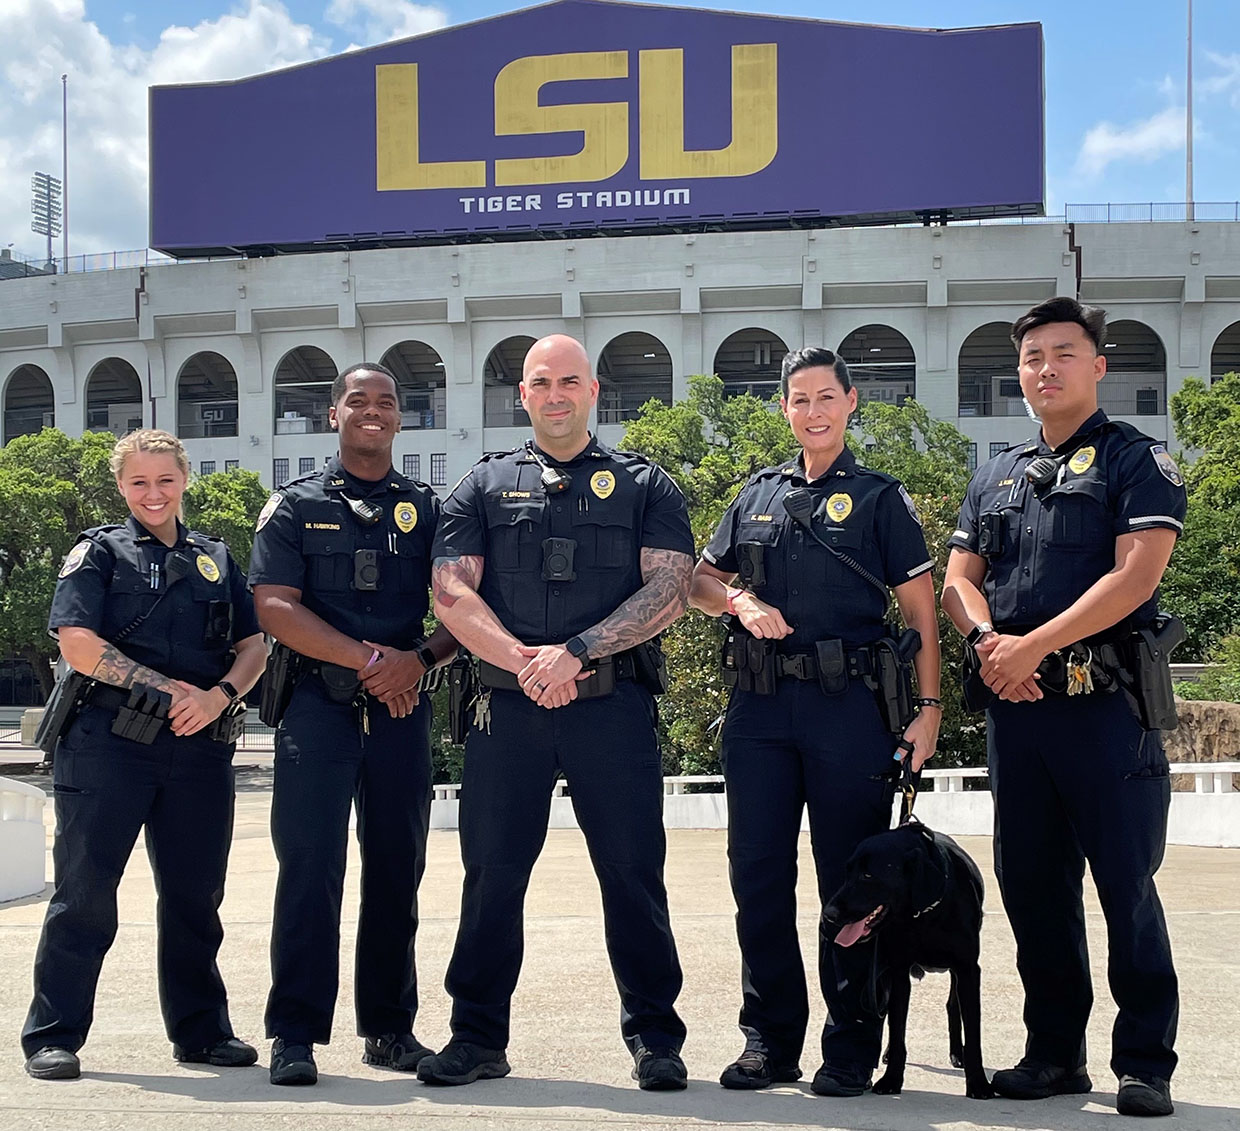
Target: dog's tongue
pixel 850 933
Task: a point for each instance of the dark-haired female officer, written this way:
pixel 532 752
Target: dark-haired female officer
pixel 803 728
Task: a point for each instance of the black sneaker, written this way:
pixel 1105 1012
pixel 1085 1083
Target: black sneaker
pixel 52 1063
pixel 228 1053
pixel 753 1069
pixel 401 1051
pixel 659 1070
pixel 835 1079
pixel 293 1064
pixel 463 1063
pixel 1034 1079
pixel 1144 1095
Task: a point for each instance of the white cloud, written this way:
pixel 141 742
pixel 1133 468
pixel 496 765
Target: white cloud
pixel 379 21
pixel 1145 140
pixel 108 99
pixel 1226 82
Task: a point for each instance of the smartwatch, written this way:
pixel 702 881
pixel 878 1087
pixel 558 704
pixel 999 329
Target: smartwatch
pixel 426 656
pixel 977 632
pixel 579 648
pixel 229 690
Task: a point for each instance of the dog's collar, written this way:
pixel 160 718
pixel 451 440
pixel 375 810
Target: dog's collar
pixel 941 855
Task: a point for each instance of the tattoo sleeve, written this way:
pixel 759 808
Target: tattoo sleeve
pixel 662 599
pixel 117 669
pixel 452 577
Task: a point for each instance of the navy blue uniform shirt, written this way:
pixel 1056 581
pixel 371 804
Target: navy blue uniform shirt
pixel 866 515
pixel 117 574
pixel 617 504
pixel 1049 544
pixel 307 537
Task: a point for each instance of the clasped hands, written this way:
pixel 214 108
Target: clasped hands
pixel 550 675
pixel 393 678
pixel 1009 666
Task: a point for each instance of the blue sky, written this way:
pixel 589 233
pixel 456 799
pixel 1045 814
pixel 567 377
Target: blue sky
pixel 1115 86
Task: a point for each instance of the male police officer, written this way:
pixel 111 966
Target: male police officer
pixel 554 565
pixel 340 570
pixel 1060 548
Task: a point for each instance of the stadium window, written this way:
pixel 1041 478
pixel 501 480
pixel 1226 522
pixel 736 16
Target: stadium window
pixel 231 464
pixel 439 469
pixel 1147 402
pixel 412 467
pixel 305 465
pixel 972 457
pixel 996 446
pixel 207 467
pixel 279 472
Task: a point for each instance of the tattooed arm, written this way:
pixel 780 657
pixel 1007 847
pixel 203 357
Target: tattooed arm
pixel 455 581
pixel 91 655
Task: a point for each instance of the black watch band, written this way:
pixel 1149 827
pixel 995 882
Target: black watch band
pixel 228 689
pixel 579 648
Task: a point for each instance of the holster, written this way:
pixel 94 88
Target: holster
pixel 1151 649
pixel 650 666
pixel 279 679
pixel 230 725
pixel 67 699
pixel 976 695
pixel 143 716
pixel 462 690
pixel 892 680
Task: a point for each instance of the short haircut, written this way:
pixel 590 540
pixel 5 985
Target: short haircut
pixel 1091 319
pixel 812 358
pixel 341 383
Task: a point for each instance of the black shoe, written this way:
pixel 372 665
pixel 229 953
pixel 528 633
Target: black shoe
pixel 835 1079
pixel 1144 1095
pixel 659 1070
pixel 52 1063
pixel 1036 1080
pixel 463 1063
pixel 228 1053
pixel 753 1069
pixel 401 1051
pixel 292 1063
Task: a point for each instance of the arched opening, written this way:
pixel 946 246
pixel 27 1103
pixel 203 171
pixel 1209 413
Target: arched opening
pixel 303 391
pixel 1136 380
pixel 881 364
pixel 206 397
pixel 500 377
pixel 113 397
pixel 28 402
pixel 1225 356
pixel 988 375
pixel 748 361
pixel 632 369
pixel 423 384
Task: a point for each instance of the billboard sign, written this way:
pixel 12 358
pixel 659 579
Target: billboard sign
pixel 594 116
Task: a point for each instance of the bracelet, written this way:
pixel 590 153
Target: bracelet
pixel 928 701
pixel 375 655
pixel 732 595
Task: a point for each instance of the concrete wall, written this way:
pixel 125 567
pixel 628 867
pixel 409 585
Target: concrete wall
pixel 23 842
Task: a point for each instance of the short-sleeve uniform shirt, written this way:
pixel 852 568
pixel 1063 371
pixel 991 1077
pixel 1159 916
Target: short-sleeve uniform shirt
pixel 617 504
pixel 861 514
pixel 310 538
pixel 1046 545
pixel 176 609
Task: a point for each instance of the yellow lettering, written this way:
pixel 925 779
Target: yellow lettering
pixel 604 125
pixel 397 155
pixel 755 116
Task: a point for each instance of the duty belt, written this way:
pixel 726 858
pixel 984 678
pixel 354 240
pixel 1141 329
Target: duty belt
pixel 804 665
pixel 621 665
pixel 226 728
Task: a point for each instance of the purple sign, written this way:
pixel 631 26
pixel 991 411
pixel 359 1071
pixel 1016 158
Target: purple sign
pixel 591 116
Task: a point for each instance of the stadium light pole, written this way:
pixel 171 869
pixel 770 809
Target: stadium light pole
pixel 64 168
pixel 1188 123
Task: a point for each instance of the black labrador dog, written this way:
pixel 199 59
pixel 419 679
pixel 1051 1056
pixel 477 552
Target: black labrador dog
pixel 916 896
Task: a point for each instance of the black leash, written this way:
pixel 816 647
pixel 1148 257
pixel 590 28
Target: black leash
pixel 909 781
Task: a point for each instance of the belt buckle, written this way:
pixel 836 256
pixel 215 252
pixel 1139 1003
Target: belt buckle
pixel 798 666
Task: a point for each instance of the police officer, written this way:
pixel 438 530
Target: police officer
pixel 554 564
pixel 817 543
pixel 1061 545
pixel 340 570
pixel 160 619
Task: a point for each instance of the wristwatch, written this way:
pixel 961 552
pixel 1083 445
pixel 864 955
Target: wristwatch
pixel 579 648
pixel 427 657
pixel 228 689
pixel 977 632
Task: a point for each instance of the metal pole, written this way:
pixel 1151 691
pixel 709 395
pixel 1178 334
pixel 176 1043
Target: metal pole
pixel 1188 114
pixel 65 169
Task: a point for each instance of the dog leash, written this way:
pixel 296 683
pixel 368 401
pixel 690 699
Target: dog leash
pixel 908 781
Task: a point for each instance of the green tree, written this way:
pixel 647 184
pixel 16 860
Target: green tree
pixel 226 505
pixel 1221 681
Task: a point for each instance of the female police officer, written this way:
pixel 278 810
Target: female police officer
pixel 160 619
pixel 816 542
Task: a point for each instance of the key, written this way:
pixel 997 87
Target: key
pixel 1080 681
pixel 482 710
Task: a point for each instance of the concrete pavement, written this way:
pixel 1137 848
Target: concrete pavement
pixel 570 1070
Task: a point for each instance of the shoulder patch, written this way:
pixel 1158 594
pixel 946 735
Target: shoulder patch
pixel 912 506
pixel 269 508
pixel 1166 464
pixel 75 557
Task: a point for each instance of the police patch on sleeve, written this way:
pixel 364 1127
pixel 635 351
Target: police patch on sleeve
pixel 406 515
pixel 269 508
pixel 74 558
pixel 1166 464
pixel 912 506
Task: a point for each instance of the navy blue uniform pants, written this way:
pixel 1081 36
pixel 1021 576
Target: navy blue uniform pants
pixel 608 753
pixel 1075 780
pixel 324 766
pixel 106 789
pixel 784 753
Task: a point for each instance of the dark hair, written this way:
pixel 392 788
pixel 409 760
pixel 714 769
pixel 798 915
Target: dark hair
pixel 1091 319
pixel 813 357
pixel 341 383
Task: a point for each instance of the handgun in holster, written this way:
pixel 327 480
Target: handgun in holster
pixel 650 666
pixel 68 697
pixel 892 679
pixel 973 690
pixel 280 677
pixel 462 691
pixel 230 725
pixel 1151 654
pixel 144 714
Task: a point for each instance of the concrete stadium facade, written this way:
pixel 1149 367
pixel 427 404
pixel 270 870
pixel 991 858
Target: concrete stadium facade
pixel 235 355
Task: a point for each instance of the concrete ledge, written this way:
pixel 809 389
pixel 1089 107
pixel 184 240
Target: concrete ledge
pixel 22 839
